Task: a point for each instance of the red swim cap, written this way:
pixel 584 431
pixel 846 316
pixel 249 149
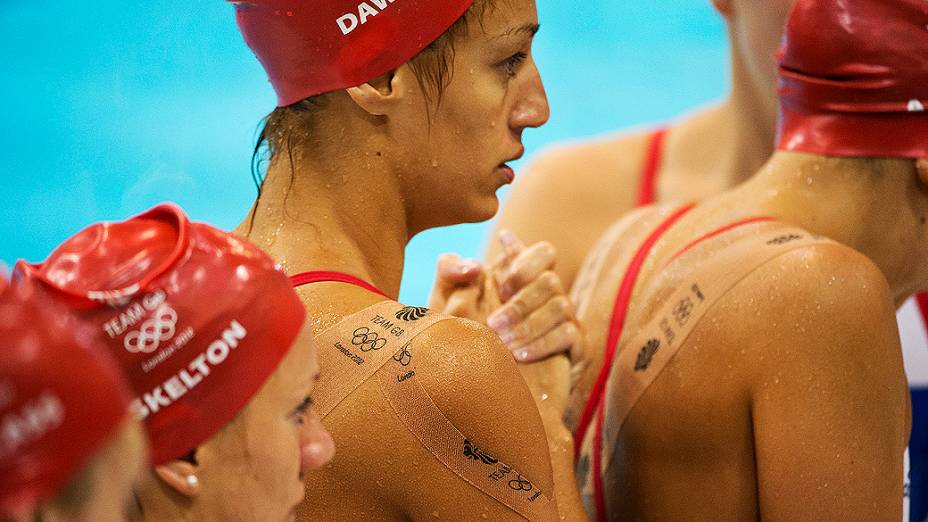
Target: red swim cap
pixel 198 318
pixel 61 400
pixel 854 78
pixel 310 47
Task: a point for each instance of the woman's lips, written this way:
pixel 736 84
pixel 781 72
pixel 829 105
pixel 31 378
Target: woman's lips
pixel 508 173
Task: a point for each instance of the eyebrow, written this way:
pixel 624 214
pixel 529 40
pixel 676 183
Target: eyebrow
pixel 530 29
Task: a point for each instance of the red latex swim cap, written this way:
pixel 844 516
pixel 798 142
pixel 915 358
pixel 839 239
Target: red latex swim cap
pixel 310 47
pixel 198 318
pixel 854 78
pixel 61 400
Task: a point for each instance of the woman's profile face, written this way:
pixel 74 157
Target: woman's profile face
pixel 255 467
pixel 455 152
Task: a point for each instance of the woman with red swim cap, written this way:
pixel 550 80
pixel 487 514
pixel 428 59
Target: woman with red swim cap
pixel 219 355
pixel 69 450
pixel 748 344
pixel 393 118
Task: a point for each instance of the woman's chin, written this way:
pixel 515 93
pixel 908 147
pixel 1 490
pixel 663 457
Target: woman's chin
pixel 484 211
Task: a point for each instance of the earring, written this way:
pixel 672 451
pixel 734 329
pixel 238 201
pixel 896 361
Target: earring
pixel 193 481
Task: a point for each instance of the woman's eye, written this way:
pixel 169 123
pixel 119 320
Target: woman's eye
pixel 301 411
pixel 511 65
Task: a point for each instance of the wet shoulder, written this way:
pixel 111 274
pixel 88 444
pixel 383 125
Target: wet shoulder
pixel 473 379
pixel 609 164
pixel 816 311
pixel 582 187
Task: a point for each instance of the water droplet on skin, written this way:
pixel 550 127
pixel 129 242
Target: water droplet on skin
pixel 809 181
pixel 434 163
pixel 544 396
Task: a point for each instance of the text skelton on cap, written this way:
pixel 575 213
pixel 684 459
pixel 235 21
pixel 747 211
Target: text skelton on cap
pixel 61 400
pixel 198 318
pixel 870 106
pixel 311 47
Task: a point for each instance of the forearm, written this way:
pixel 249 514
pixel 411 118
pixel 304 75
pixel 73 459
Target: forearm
pixel 549 383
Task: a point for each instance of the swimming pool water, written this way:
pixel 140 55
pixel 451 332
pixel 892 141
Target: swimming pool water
pixel 108 108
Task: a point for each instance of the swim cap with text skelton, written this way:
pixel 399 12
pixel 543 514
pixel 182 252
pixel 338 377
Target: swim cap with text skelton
pixel 198 318
pixel 61 400
pixel 854 78
pixel 310 47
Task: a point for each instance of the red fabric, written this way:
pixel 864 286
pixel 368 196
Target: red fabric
pixel 61 400
pixel 617 323
pixel 922 300
pixel 312 47
pixel 323 276
pixel 852 78
pixel 647 190
pixel 198 318
pixel 718 232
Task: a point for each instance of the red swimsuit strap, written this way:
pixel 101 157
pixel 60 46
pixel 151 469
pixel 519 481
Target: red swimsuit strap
pixel 922 300
pixel 718 232
pixel 647 190
pixel 323 276
pixel 595 410
pixel 619 309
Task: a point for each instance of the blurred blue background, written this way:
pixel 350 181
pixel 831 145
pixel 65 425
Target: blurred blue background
pixel 108 108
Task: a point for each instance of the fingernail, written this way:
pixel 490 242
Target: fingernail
pixel 508 240
pixel 468 265
pixel 498 321
pixel 505 292
pixel 522 354
pixel 506 336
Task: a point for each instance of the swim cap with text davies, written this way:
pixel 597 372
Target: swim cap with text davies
pixel 310 47
pixel 198 318
pixel 61 400
pixel 854 78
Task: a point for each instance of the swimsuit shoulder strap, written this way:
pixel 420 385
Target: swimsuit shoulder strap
pixel 375 342
pixel 647 189
pixel 617 321
pixel 922 300
pixel 322 276
pixel 644 355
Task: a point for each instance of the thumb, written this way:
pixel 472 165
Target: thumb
pixel 512 246
pixel 452 272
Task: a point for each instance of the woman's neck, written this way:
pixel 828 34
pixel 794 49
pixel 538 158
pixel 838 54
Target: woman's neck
pixel 345 216
pixel 722 145
pixel 873 206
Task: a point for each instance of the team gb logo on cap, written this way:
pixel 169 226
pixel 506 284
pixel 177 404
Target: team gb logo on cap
pixel 349 21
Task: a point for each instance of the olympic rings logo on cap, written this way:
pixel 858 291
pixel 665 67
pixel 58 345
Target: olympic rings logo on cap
pixel 153 332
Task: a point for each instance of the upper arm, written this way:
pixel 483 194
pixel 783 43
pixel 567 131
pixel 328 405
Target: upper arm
pixel 473 379
pixel 569 195
pixel 829 407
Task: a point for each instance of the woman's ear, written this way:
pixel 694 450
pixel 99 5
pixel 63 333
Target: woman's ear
pixel 380 96
pixel 921 166
pixel 180 476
